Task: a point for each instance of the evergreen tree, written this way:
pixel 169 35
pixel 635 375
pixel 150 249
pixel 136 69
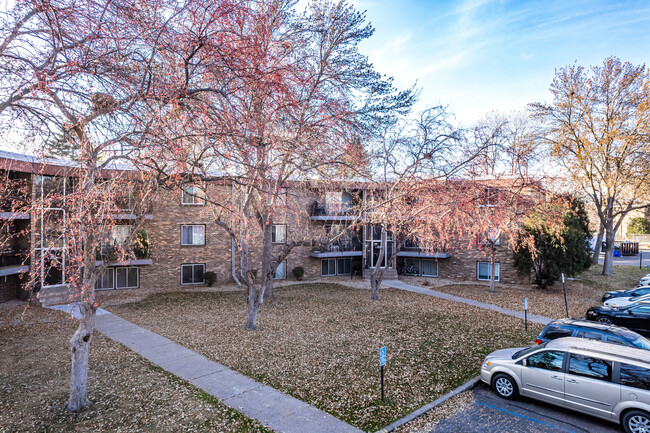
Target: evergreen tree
pixel 544 252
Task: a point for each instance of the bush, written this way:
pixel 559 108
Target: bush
pixel 209 277
pixel 638 225
pixel 298 272
pixel 557 251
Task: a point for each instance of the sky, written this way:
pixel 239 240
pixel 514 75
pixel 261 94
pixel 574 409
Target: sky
pixel 478 56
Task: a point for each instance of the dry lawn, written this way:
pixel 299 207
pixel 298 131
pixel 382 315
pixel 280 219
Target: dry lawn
pixel 583 292
pixel 130 394
pixel 320 343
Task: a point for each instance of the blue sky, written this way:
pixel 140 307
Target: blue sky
pixel 478 56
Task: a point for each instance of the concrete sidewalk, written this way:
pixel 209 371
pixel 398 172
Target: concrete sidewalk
pixel 270 407
pixel 396 284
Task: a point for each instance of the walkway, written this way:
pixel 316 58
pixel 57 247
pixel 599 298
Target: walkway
pixel 270 407
pixel 396 284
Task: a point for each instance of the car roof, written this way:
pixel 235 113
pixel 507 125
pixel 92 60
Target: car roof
pixel 609 350
pixel 589 324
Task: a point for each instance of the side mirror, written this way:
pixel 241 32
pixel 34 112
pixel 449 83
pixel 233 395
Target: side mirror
pixel 524 362
pixel 630 312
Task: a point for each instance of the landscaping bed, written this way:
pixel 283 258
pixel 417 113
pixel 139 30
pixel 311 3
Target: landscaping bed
pixel 320 343
pixel 583 292
pixel 128 392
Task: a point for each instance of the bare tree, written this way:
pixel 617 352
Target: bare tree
pixel 597 129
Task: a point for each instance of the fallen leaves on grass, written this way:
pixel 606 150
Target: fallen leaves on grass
pixel 320 343
pixel 128 392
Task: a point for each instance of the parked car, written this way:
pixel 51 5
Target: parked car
pixel 637 291
pixel 624 301
pixel 635 316
pixel 592 331
pixel 600 379
pixel 645 281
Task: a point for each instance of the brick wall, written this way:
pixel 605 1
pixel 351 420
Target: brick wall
pixel 9 287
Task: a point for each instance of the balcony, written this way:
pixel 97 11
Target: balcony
pixel 138 255
pixel 320 211
pixel 344 248
pixel 13 261
pixel 127 212
pixel 411 250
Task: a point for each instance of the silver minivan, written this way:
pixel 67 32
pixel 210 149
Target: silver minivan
pixel 605 380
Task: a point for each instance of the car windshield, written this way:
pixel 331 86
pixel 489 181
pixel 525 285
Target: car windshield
pixel 526 351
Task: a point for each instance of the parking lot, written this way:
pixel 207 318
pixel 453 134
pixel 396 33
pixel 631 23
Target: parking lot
pixel 489 414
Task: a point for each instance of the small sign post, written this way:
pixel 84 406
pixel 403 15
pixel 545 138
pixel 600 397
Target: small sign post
pixel 566 306
pixel 526 313
pixel 382 362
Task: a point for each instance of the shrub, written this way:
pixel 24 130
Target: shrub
pixel 557 251
pixel 638 225
pixel 209 277
pixel 298 272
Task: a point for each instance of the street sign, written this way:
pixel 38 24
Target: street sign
pixel 382 356
pixel 525 303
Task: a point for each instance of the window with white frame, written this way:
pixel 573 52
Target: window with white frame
pixel 192 273
pixel 483 271
pixel 192 196
pixel 490 197
pixel 193 234
pixel 281 271
pixel 340 266
pixel 429 268
pixel 106 280
pixel 127 278
pixel 279 233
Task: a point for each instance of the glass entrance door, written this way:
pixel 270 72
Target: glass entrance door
pixel 373 247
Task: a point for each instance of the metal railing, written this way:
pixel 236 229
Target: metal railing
pixel 12 257
pixel 327 209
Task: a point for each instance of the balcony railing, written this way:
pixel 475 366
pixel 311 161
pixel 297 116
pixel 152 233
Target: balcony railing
pixel 332 209
pixel 13 257
pixel 347 245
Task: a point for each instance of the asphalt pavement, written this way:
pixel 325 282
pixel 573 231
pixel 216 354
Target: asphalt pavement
pixel 642 258
pixel 490 413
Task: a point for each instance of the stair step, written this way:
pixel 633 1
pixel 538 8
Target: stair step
pixel 56 295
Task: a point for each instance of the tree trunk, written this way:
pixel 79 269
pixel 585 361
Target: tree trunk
pixel 268 293
pixel 253 307
pixel 79 349
pixel 378 274
pixel 492 270
pixel 609 253
pixel 598 245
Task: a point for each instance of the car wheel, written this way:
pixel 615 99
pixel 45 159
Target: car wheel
pixel 604 319
pixel 505 386
pixel 636 421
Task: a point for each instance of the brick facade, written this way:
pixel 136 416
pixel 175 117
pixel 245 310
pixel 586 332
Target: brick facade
pixel 167 253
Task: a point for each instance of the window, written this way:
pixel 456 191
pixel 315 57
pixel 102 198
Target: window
pixel 279 233
pixel 341 266
pixel 489 197
pixel 589 335
pixel 483 271
pixel 547 360
pixel 553 332
pixel 192 273
pixel 127 278
pixel 587 366
pixel 429 268
pixel 635 376
pixel 193 235
pixel 119 234
pixel 328 267
pixel 281 271
pixel 106 280
pixel 615 340
pixel 193 196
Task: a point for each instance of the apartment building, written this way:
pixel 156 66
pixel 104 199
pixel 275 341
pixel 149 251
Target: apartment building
pixel 182 241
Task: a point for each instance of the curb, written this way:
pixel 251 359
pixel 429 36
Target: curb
pixel 426 408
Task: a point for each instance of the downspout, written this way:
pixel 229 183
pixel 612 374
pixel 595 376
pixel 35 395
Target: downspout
pixel 232 251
